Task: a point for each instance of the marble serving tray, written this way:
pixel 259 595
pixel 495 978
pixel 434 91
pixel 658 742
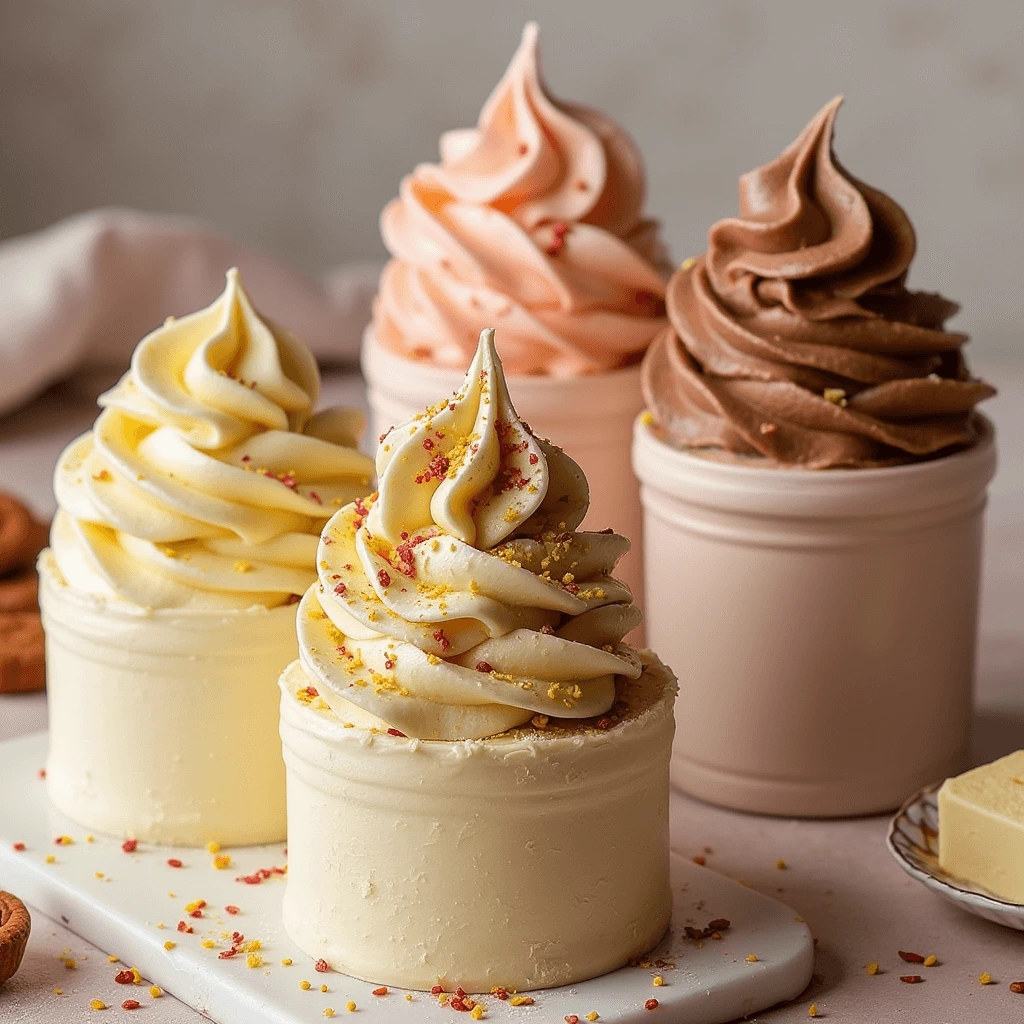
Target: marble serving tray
pixel 123 903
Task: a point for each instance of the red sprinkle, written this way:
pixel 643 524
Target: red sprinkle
pixel 523 149
pixel 457 1004
pixel 484 666
pixel 232 909
pixel 19 847
pixel 501 993
pixel 259 875
pixel 533 459
pixel 651 1004
pixel 312 691
pixel 572 1019
pixel 182 927
pixel 340 589
pixel 195 913
pixel 444 642
pixel 173 862
pixel 428 443
pixel 322 966
pixel 911 979
pixel 436 990
pixel 910 958
pixel 384 577
pixel 227 954
pixel 130 1004
pixel 42 771
pixel 129 845
pixel 316 497
pixel 124 977
pixel 237 938
pixel 396 732
pixel 382 991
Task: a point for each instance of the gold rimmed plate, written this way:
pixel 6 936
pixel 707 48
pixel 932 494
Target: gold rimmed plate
pixel 913 840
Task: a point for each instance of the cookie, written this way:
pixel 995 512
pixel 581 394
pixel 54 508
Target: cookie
pixel 16 533
pixel 15 925
pixel 22 536
pixel 22 667
pixel 19 590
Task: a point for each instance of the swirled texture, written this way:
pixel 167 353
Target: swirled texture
pixel 795 337
pixel 531 221
pixel 461 601
pixel 206 479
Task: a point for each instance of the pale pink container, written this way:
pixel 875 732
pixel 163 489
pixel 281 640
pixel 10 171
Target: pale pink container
pixel 822 624
pixel 590 416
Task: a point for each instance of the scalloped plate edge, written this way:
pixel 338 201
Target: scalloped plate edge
pixel 912 840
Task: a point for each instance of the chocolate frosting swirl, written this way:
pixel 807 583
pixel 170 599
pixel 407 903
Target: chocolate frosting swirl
pixel 795 337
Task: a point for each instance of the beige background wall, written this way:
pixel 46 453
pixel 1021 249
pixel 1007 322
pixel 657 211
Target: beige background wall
pixel 289 122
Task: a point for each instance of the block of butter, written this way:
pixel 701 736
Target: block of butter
pixel 981 827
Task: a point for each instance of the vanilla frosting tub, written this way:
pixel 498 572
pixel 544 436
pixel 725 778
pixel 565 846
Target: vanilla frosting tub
pixel 477 761
pixel 187 528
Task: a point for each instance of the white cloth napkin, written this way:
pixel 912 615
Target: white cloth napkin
pixel 89 287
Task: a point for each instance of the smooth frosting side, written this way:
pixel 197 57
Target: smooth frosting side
pixel 564 835
pixel 795 337
pixel 462 600
pixel 163 723
pixel 207 477
pixel 532 221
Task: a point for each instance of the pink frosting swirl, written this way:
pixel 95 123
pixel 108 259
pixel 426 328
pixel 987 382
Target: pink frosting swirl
pixel 532 222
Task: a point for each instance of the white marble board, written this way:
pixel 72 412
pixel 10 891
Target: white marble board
pixel 121 912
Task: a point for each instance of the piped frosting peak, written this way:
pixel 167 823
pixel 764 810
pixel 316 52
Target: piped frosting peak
pixel 531 220
pixel 461 599
pixel 207 476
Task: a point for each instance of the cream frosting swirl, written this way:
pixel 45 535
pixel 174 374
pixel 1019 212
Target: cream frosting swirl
pixel 461 600
pixel 532 220
pixel 207 477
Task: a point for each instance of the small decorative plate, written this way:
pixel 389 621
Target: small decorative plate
pixel 913 840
